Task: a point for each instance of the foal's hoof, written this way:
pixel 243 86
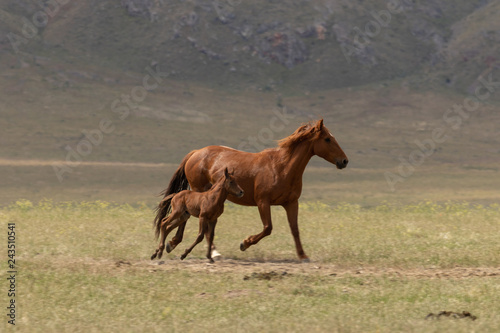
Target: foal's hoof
pixel 242 246
pixel 215 253
pixel 156 254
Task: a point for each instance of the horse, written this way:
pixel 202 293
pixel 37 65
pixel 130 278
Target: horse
pixel 270 177
pixel 207 206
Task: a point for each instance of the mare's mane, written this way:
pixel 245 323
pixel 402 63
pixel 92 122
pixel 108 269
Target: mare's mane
pixel 305 132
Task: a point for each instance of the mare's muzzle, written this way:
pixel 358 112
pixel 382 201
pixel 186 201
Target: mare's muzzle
pixel 342 163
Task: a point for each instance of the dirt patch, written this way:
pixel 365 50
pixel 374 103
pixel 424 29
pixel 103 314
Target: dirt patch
pixel 272 275
pixel 451 314
pixel 265 270
pixel 277 270
pixel 120 263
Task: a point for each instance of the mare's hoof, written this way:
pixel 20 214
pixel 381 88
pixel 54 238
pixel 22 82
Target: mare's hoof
pixel 305 260
pixel 183 256
pixel 211 261
pixel 242 246
pixel 153 256
pixel 169 248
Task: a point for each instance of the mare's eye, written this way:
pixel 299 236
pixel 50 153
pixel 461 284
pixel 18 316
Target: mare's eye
pixel 328 140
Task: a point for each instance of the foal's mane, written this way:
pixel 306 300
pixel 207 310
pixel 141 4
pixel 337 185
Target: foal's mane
pixel 305 132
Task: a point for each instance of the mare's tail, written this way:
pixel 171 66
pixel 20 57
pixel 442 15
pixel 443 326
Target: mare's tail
pixel 178 183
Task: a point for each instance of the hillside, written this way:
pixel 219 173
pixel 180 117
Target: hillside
pixel 472 47
pixel 313 45
pixel 224 72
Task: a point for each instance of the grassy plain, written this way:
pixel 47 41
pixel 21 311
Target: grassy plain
pixel 84 267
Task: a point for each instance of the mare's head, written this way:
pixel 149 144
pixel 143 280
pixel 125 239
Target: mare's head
pixel 231 186
pixel 327 147
pixel 322 141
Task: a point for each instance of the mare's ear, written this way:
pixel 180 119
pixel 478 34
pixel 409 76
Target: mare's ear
pixel 319 125
pixel 226 173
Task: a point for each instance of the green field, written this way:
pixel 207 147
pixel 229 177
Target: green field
pixel 84 267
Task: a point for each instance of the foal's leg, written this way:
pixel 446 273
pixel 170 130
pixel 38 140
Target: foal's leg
pixel 209 233
pixel 159 251
pixel 167 225
pixel 265 216
pixel 178 236
pixel 203 228
pixel 215 253
pixel 292 211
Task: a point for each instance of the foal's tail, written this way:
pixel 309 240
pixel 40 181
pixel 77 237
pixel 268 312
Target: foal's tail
pixel 178 183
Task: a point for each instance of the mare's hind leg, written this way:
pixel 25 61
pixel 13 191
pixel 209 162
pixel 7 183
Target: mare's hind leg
pixel 167 225
pixel 199 238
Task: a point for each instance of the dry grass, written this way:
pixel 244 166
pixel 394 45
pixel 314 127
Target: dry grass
pixel 84 267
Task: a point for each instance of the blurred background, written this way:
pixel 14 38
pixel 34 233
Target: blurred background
pixel 100 100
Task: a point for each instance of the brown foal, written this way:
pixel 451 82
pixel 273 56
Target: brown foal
pixel 207 206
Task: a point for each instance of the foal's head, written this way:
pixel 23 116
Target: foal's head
pixel 327 147
pixel 231 186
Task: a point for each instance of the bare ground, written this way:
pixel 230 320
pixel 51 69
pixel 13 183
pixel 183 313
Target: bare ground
pixel 269 269
pixel 294 267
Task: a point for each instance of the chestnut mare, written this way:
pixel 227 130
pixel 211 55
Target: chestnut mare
pixel 270 177
pixel 207 206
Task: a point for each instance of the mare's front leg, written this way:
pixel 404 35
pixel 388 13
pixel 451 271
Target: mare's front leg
pixel 199 238
pixel 292 212
pixel 265 216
